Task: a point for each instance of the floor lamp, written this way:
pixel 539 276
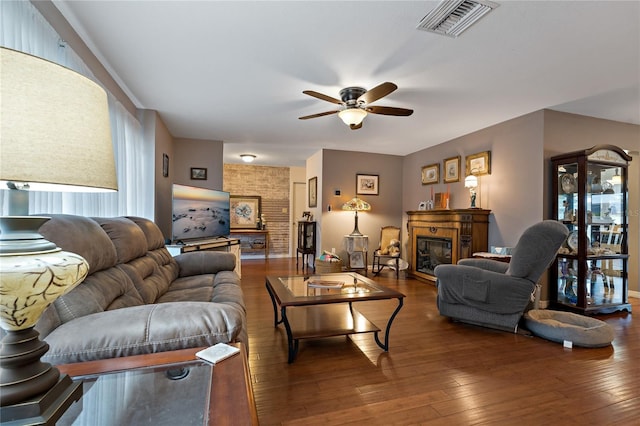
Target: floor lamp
pixel 357 205
pixel 54 136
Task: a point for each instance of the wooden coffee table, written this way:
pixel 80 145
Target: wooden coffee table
pixel 218 395
pixel 322 306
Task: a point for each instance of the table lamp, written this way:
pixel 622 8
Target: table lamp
pixel 471 182
pixel 54 136
pixel 357 205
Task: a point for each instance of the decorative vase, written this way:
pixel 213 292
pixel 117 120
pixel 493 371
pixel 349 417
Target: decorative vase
pixel 33 274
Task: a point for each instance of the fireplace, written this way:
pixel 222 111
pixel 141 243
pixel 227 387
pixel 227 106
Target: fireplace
pixel 432 252
pixel 444 237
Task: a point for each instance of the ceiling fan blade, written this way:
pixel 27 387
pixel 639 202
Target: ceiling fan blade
pixel 355 126
pixel 389 110
pixel 378 92
pixel 322 96
pixel 321 114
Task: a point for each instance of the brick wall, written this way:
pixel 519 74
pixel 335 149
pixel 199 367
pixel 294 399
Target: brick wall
pixel 273 186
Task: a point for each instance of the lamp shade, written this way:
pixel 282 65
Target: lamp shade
pixel 471 181
pixel 54 127
pixel 356 204
pixel 352 116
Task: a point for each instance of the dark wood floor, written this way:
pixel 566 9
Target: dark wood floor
pixel 436 372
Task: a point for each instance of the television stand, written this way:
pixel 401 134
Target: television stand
pixel 231 245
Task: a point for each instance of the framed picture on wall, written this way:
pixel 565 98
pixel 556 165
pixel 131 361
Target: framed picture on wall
pixel 478 164
pixel 431 174
pixel 367 184
pixel 244 211
pixel 165 165
pixel 313 192
pixel 198 173
pixel 452 170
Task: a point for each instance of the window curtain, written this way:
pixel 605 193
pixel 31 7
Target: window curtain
pixel 23 28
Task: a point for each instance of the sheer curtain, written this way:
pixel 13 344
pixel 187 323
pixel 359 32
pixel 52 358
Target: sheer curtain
pixel 23 28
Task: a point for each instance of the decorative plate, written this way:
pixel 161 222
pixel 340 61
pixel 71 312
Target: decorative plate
pixel 568 183
pixel 572 241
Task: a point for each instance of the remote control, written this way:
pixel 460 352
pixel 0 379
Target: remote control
pixel 217 352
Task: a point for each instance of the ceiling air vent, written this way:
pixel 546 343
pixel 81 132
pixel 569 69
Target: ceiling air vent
pixel 453 17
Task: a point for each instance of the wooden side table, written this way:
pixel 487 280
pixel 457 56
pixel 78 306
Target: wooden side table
pixel 231 399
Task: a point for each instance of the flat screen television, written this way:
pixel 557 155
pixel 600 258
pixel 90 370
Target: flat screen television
pixel 199 213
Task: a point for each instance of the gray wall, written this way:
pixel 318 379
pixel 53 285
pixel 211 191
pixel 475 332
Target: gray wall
pixel 155 127
pixel 338 172
pixel 514 189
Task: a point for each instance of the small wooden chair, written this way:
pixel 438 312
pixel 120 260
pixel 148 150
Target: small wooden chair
pixel 389 249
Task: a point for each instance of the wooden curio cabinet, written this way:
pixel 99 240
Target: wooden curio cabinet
pixel 589 275
pixel 306 242
pixel 444 236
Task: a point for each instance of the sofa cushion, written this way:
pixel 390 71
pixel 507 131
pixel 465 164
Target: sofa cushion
pixel 83 236
pixel 147 278
pixel 101 291
pixel 204 262
pixel 145 329
pixel 127 237
pixel 152 233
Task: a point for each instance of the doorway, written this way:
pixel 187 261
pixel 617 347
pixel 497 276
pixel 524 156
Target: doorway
pixel 299 206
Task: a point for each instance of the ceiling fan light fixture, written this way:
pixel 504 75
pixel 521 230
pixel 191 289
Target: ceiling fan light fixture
pixel 247 158
pixel 352 116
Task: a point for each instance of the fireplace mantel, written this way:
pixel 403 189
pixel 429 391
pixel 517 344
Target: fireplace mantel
pixel 467 229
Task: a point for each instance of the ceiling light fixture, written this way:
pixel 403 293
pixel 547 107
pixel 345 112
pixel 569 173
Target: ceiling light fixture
pixel 452 17
pixel 248 158
pixel 352 116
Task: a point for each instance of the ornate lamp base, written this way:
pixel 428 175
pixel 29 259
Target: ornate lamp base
pixel 22 374
pixel 44 409
pixel 33 274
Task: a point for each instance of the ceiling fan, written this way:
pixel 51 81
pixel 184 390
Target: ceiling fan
pixel 355 102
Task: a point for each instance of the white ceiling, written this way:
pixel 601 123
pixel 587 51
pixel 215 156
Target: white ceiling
pixel 235 71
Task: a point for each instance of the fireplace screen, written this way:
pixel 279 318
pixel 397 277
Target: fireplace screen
pixel 432 252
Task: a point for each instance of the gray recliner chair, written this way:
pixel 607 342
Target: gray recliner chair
pixel 495 294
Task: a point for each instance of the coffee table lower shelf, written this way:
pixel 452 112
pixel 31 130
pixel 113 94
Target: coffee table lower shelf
pixel 309 322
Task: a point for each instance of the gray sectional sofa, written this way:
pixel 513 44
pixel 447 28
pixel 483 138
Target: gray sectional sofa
pixel 137 298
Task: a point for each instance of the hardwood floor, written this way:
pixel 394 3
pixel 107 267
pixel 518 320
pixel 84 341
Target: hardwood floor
pixel 436 372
